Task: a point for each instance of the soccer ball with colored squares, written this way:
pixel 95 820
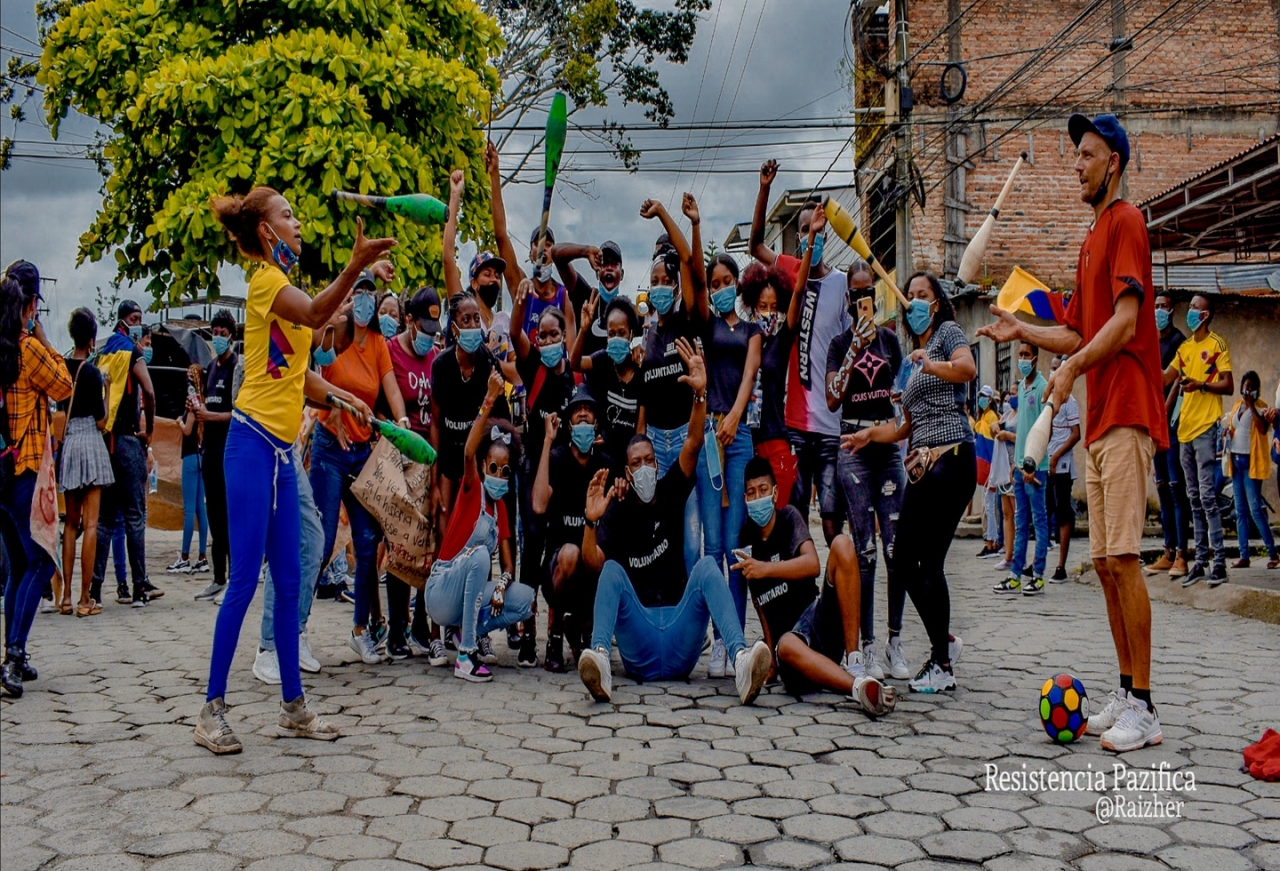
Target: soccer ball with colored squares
pixel 1064 708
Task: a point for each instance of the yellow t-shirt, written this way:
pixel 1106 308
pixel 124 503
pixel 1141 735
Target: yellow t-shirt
pixel 275 359
pixel 1202 361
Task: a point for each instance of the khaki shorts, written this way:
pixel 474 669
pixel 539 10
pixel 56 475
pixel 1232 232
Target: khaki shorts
pixel 1116 469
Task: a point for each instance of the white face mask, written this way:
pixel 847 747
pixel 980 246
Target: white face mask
pixel 644 481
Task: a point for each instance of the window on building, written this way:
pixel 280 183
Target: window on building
pixel 1004 366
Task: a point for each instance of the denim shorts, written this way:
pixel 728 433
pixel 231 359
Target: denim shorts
pixel 821 628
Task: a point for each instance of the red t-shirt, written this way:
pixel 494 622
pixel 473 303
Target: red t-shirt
pixel 413 377
pixel 463 517
pixel 1126 389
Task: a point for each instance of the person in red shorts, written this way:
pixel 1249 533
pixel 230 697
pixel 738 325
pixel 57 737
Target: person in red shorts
pixel 1111 337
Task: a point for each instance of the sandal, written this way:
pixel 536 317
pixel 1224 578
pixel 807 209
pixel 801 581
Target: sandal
pixel 90 610
pixel 65 608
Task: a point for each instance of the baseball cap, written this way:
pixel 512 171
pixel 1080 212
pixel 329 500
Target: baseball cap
pixel 986 391
pixel 368 278
pixel 610 252
pixel 424 308
pixel 483 259
pixel 28 277
pixel 581 396
pixel 126 308
pixel 1106 126
pixel 533 237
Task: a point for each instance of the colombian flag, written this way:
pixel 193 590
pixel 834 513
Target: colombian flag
pixel 1023 292
pixel 985 443
pixel 114 360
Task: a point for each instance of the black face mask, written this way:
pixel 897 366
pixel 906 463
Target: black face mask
pixel 488 293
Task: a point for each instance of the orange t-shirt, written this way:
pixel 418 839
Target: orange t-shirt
pixel 359 370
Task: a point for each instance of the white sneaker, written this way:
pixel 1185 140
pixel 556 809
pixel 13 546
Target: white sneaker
pixel 363 645
pixel 594 669
pixel 875 698
pixel 306 659
pixel 954 646
pixel 932 678
pixel 266 667
pixel 217 600
pixel 1137 727
pixel 179 566
pixel 898 668
pixel 47 606
pixel 719 659
pixel 751 669
pixel 1106 718
pixel 871 661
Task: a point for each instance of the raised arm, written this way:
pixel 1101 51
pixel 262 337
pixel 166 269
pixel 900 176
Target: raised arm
pixel 452 278
pixel 520 301
pixel 759 250
pixel 506 250
pixel 697 265
pixel 542 491
pixel 697 381
pixel 1057 339
pixel 563 255
pixel 802 274
pixel 655 209
pixel 295 306
pixel 496 385
pixel 598 498
pixel 577 362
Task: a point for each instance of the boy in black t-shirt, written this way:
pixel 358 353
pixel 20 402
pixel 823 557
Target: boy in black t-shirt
pixel 816 632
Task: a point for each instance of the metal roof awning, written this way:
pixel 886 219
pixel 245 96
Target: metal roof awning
pixel 1233 206
pixel 1235 279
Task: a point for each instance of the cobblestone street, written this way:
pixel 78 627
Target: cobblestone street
pixel 100 771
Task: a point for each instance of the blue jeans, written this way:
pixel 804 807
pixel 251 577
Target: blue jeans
pixel 458 593
pixel 312 537
pixel 264 521
pixel 1248 493
pixel 1029 508
pixel 664 643
pixel 124 504
pixel 118 558
pixel 332 472
pixel 193 504
pixel 667 444
pixel 816 455
pixel 722 523
pixel 1200 468
pixel 874 483
pixel 994 512
pixel 22 595
pixel 1175 509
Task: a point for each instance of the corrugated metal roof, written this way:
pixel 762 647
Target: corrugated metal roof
pixel 1246 279
pixel 1209 171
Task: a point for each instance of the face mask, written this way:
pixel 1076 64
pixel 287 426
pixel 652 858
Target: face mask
pixel 488 293
pixel 552 354
pixel 323 357
pixel 607 296
pixel 362 309
pixel 135 332
pixel 723 299
pixel 583 436
pixel 662 298
pixel 1195 318
pixel 147 354
pixel 617 348
pixel 1025 368
pixel 543 273
pixel 1162 318
pixel 818 245
pixel 282 254
pixel 387 324
pixel 983 402
pixel 470 339
pixel 31 325
pixel 495 487
pixel 422 343
pixel 644 481
pixel 770 322
pixel 1013 403
pixel 760 510
pixel 220 345
pixel 919 316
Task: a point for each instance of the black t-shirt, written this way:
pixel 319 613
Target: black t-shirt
pixel 580 292
pixel 667 402
pixel 459 400
pixel 775 356
pixel 782 602
pixel 648 540
pixel 871 381
pixel 87 401
pixel 619 402
pixel 547 393
pixel 726 349
pixel 1168 350
pixel 566 508
pixel 126 422
pixel 218 386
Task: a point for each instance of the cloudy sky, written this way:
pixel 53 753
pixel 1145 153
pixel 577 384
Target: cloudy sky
pixel 752 60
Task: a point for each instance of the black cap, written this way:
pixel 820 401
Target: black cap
pixel 127 307
pixel 424 308
pixel 1108 127
pixel 483 259
pixel 610 252
pixel 581 396
pixel 28 277
pixel 368 278
pixel 537 231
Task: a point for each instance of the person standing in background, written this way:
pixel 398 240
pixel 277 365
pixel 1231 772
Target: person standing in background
pixel 1062 473
pixel 193 500
pixel 1028 487
pixel 214 415
pixel 1171 486
pixel 1246 441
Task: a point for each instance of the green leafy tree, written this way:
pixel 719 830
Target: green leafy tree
pixel 204 97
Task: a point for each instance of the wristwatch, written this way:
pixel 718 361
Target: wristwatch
pixel 589 523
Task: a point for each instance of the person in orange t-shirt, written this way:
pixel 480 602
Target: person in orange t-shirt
pixel 1111 337
pixel 340 448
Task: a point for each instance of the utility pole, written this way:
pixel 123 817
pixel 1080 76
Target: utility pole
pixel 902 144
pixel 1120 45
pixel 955 203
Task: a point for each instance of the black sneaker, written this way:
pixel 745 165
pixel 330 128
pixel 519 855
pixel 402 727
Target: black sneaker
pixel 1216 577
pixel 515 636
pixel 325 591
pixel 123 596
pixel 343 595
pixel 10 680
pixel 1197 573
pixel 450 638
pixel 26 671
pixel 378 632
pixel 398 649
pixel 484 650
pixel 528 655
pixel 152 591
pixel 554 661
pixel 140 597
pixel 1059 575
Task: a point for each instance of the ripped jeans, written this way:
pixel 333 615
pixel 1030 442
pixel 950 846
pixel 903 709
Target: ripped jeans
pixel 874 481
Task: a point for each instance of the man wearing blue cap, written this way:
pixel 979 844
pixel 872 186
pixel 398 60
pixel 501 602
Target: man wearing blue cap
pixel 1111 337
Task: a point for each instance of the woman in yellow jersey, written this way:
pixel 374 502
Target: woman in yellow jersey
pixel 263 488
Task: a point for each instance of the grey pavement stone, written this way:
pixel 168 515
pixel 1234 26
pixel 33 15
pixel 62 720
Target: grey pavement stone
pixel 613 809
pixel 1189 858
pixel 526 857
pixel 789 854
pixel 486 832
pixel 965 846
pixel 439 853
pixel 261 844
pixel 1129 838
pixel 342 847
pixel 291 863
pixel 700 853
pixel 654 832
pixel 611 855
pixel 176 842
pixel 571 833
pixel 822 828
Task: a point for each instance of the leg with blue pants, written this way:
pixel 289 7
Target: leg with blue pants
pixel 1030 511
pixel 22 593
pixel 667 444
pixel 458 593
pixel 193 510
pixel 312 537
pixel 1199 468
pixel 722 511
pixel 993 517
pixel 1175 509
pixel 332 471
pixel 265 521
pixel 123 513
pixel 118 557
pixel 664 643
pixel 1248 494
pixel 874 482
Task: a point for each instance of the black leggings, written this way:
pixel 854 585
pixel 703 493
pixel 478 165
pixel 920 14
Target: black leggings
pixel 215 500
pixel 931 511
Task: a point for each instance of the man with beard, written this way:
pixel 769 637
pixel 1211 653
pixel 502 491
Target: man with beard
pixel 607 263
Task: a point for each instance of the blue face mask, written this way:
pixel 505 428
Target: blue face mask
pixel 662 298
pixel 135 332
pixel 362 308
pixel 607 296
pixel 282 254
pixel 1195 318
pixel 723 299
pixel 470 339
pixel 919 316
pixel 583 436
pixel 1162 318
pixel 147 354
pixel 552 354
pixel 387 324
pixel 1013 403
pixel 1025 368
pixel 323 357
pixel 760 510
pixel 422 343
pixel 495 487
pixel 983 402
pixel 818 245
pixel 220 345
pixel 31 325
pixel 617 348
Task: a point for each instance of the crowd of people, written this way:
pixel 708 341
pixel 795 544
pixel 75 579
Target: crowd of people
pixel 649 467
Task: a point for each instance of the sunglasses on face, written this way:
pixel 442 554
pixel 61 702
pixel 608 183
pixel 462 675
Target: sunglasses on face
pixel 493 470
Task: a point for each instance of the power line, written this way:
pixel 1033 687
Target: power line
pixel 738 87
pixel 715 110
pixel 715 24
pixel 12 32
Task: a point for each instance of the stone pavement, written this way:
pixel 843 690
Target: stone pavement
pixel 99 770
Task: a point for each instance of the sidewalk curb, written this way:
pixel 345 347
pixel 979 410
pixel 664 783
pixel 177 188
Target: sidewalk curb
pixel 1248 602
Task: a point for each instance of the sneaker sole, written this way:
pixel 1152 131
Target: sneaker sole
pixel 1149 742
pixel 1006 592
pixel 760 665
pixel 716 673
pixel 286 732
pixel 931 691
pixel 215 748
pixel 1039 592
pixel 437 662
pixel 265 678
pixel 309 668
pixel 876 698
pixel 589 671
pixel 523 663
pixel 472 678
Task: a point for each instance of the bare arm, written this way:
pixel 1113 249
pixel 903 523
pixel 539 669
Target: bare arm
pixel 960 369
pixel 542 490
pixel 598 498
pixel 316 390
pixel 452 278
pixel 1057 339
pixel 563 255
pixel 577 362
pixel 188 421
pixel 1066 447
pixel 1117 331
pixel 506 250
pixel 759 250
pixel 391 390
pixel 799 568
pixel 520 301
pixel 697 380
pixel 148 395
pixel 295 306
pixel 476 435
pixel 697 266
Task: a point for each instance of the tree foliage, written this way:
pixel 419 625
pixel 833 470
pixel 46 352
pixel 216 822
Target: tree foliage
pixel 205 97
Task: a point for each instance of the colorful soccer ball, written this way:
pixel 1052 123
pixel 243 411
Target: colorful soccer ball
pixel 1064 708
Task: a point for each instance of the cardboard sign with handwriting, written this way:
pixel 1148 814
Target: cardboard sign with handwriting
pixel 395 493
